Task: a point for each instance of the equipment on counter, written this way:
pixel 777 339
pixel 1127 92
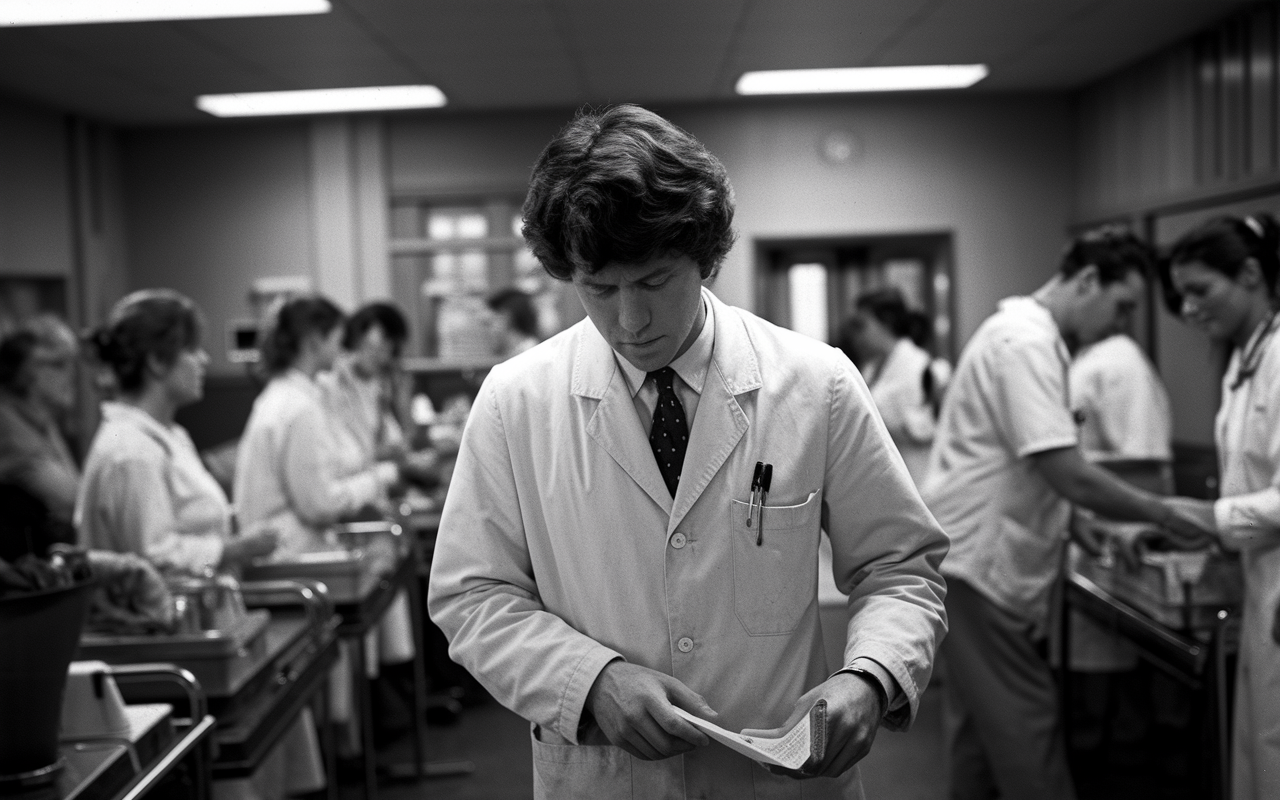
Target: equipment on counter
pixel 1182 590
pixel 361 554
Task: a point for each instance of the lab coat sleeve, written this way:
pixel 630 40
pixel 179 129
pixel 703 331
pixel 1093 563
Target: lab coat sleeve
pixel 484 596
pixel 1252 520
pixel 140 508
pixel 886 547
pixel 316 493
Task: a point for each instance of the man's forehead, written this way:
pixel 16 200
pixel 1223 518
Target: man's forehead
pixel 617 273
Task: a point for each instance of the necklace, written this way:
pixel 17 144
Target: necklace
pixel 1251 359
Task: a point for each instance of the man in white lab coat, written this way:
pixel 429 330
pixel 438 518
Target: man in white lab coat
pixel 1004 469
pixel 600 560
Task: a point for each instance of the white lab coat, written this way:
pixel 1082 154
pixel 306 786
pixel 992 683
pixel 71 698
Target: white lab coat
pixel 1248 517
pixel 560 549
pixel 898 389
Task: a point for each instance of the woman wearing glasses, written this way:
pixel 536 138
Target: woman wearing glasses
pixel 38 475
pixel 1223 279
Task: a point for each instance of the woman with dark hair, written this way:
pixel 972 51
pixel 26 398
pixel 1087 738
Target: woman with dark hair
pixel 1222 279
pixel 145 490
pixel 519 321
pixel 287 474
pixel 38 475
pixel 902 376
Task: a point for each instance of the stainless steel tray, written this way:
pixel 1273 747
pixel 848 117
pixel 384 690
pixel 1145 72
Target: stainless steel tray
pixel 349 575
pixel 212 656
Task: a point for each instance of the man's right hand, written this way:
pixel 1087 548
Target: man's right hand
pixel 633 707
pixel 1190 523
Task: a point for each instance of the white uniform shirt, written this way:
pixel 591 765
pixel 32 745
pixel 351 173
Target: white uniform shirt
pixel 898 389
pixel 145 491
pixel 1120 403
pixel 1007 401
pixel 289 470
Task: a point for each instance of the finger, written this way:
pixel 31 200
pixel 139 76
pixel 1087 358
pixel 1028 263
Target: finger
pixel 659 741
pixel 680 695
pixel 680 728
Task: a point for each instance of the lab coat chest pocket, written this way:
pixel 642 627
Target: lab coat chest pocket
pixel 776 580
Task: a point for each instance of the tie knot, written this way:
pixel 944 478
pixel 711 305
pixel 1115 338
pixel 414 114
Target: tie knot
pixel 663 378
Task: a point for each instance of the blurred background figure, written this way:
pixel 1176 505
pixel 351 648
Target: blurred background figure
pixel 1125 424
pixel 1222 278
pixel 289 472
pixel 145 489
pixel 517 321
pixel 904 381
pixel 38 474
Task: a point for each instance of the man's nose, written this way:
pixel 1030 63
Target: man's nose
pixel 1188 307
pixel 633 311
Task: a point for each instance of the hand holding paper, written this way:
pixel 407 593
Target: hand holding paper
pixel 790 751
pixel 852 715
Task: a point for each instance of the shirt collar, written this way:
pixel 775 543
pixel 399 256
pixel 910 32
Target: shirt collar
pixel 114 411
pixel 691 366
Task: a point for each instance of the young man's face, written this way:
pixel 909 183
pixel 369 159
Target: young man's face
pixel 1103 310
pixel 649 313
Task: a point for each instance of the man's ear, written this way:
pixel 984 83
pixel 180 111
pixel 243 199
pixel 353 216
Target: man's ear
pixel 1086 279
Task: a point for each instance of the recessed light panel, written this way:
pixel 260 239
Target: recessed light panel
pixel 861 79
pixel 320 101
pixel 77 12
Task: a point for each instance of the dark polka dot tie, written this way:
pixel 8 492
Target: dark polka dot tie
pixel 669 436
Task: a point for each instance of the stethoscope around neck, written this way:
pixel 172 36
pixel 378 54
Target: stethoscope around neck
pixel 1251 358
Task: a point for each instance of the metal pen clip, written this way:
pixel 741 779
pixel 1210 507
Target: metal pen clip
pixel 755 489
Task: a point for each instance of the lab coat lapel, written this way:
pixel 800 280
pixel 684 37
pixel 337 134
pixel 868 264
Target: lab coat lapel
pixel 614 424
pixel 720 422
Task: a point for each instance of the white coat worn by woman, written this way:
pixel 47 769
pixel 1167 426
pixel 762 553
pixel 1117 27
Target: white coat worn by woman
pixel 1226 274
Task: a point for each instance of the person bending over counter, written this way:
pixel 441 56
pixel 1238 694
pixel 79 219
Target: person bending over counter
pixel 38 475
pixel 595 566
pixel 288 472
pixel 1223 278
pixel 1004 470
pixel 145 490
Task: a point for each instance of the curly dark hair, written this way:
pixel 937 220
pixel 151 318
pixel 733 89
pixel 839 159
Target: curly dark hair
pixel 1113 249
pixel 281 341
pixel 381 315
pixel 151 322
pixel 627 186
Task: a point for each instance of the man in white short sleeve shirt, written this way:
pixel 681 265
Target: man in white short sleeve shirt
pixel 1004 469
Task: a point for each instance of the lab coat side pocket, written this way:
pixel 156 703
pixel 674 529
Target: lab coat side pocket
pixel 776 580
pixel 563 770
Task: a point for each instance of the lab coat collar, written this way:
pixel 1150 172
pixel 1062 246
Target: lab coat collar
pixel 718 427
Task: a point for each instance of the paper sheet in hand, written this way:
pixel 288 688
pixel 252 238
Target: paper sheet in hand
pixel 791 750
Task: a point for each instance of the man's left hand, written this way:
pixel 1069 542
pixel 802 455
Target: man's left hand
pixel 855 706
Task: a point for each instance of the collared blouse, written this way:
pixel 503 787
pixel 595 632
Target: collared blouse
pixel 146 491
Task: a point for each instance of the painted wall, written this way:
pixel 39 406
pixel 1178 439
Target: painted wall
pixel 35 207
pixel 212 209
pixel 994 171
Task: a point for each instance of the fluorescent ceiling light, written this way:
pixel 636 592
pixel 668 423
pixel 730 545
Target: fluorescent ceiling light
pixel 320 101
pixel 74 12
pixel 861 79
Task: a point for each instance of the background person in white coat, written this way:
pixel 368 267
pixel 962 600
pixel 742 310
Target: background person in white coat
pixel 899 372
pixel 595 566
pixel 1223 279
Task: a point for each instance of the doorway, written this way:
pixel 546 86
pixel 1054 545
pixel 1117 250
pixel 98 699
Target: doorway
pixel 811 285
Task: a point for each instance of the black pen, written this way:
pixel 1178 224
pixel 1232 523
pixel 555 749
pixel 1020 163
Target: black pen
pixel 765 481
pixel 755 488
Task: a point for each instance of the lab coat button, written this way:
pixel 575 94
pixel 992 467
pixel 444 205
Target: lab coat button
pixel 685 644
pixel 678 540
